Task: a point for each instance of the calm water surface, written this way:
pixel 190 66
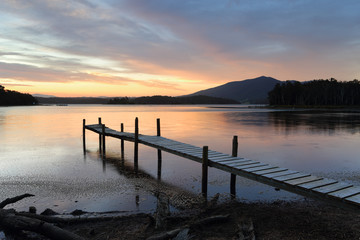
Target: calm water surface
pixel 41 152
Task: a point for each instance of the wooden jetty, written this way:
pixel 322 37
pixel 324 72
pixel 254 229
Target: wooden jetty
pixel 335 192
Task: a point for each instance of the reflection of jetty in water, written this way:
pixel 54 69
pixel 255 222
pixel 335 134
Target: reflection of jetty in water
pixel 178 197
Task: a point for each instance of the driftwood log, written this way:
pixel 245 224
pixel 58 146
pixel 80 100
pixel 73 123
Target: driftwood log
pixel 162 211
pixel 183 231
pixel 9 219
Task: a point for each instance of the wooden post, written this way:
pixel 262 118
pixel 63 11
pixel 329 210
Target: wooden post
pixel 158 127
pixel 204 171
pixel 159 164
pixel 136 146
pixel 158 133
pixel 122 143
pixel 103 140
pixel 84 146
pixel 233 176
pixel 100 138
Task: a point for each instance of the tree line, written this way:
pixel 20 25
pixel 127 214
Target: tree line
pixel 316 92
pixel 14 98
pixel 172 100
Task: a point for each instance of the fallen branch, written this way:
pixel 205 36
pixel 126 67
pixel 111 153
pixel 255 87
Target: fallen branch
pixel 14 199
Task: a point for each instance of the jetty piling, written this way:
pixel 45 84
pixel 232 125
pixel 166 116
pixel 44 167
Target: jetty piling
pixel 204 178
pixel 99 121
pixel 103 141
pixel 158 133
pixel 84 143
pixel 136 145
pixel 122 143
pixel 233 176
pixel 338 193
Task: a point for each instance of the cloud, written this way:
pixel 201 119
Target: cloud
pixel 207 41
pixel 22 72
pixel 15 85
pixel 161 84
pixel 259 31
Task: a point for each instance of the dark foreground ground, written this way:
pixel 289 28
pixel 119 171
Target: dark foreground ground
pixel 279 220
pixel 305 219
pixel 232 220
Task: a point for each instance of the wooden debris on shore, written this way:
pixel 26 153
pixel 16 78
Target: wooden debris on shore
pixel 14 199
pixel 183 234
pixel 162 211
pixel 9 219
pixel 245 230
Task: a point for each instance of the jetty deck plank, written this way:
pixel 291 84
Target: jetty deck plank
pixel 291 176
pixel 353 199
pixel 333 187
pixel 279 174
pixel 320 183
pixel 303 180
pixel 347 192
pixel 255 169
pixel 338 193
pixel 273 170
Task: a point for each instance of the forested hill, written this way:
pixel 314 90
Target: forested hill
pixel 14 98
pixel 316 92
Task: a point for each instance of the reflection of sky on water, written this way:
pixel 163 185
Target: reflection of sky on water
pixel 42 154
pixel 316 122
pixel 296 121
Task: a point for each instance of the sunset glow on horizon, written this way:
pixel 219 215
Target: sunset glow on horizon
pixel 166 47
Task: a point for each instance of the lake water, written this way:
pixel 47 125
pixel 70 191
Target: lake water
pixel 41 152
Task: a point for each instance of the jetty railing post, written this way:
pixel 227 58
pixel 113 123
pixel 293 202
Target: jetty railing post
pixel 205 163
pixel 233 176
pixel 122 142
pixel 100 138
pixel 136 145
pixel 103 140
pixel 158 133
pixel 84 146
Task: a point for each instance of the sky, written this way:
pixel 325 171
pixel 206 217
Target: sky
pixel 132 48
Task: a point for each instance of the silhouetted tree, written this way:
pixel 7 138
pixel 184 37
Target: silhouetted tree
pixel 173 100
pixel 124 100
pixel 13 98
pixel 316 92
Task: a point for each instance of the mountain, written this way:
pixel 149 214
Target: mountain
pixel 247 91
